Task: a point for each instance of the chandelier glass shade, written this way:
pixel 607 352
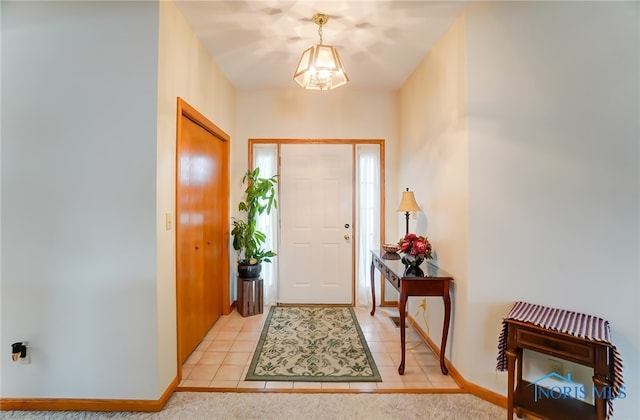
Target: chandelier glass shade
pixel 320 67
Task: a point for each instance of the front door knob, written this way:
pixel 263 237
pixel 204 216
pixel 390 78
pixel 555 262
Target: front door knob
pixel 346 236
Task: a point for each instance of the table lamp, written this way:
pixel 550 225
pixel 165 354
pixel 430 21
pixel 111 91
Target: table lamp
pixel 408 204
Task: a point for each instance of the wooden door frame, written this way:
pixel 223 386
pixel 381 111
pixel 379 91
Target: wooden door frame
pixel 354 143
pixel 187 111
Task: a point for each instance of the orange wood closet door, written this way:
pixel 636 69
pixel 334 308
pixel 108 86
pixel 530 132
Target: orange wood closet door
pixel 201 237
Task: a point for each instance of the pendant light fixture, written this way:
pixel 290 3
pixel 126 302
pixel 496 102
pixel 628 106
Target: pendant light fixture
pixel 320 67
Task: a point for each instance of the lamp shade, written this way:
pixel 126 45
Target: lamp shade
pixel 320 68
pixel 408 202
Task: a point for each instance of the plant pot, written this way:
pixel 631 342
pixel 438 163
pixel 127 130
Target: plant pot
pixel 249 271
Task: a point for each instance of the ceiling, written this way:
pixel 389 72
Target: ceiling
pixel 258 44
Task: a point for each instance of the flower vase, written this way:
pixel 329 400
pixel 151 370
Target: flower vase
pixel 412 266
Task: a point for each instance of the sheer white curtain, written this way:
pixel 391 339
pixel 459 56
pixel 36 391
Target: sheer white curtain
pixel 265 157
pixel 368 215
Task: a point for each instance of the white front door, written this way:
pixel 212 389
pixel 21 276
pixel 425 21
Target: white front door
pixel 316 210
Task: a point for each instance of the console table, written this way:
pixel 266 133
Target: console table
pixel 436 282
pixel 568 335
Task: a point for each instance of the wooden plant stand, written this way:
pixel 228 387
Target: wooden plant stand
pixel 250 296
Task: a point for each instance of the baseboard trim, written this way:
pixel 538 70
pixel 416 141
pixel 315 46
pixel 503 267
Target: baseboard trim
pixel 471 388
pixel 486 394
pixel 68 404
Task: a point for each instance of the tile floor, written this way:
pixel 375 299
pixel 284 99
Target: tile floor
pixel 223 357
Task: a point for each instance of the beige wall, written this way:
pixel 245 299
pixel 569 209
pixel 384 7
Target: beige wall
pixel 554 172
pixel 185 69
pixel 522 147
pixel 78 196
pixel 433 158
pixel 297 113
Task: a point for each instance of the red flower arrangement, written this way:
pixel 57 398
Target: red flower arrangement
pixel 417 246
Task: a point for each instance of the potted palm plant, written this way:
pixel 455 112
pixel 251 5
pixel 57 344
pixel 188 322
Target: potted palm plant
pixel 260 197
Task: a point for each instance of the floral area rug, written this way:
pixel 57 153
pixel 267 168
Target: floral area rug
pixel 312 344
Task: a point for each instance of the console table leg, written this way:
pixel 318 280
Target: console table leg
pixel 511 365
pixel 373 289
pixel 402 308
pixel 445 330
pixel 600 385
pixel 601 372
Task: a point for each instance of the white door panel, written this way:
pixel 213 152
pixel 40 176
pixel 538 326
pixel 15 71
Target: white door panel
pixel 316 251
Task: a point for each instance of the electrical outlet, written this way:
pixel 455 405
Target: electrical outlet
pixel 27 357
pixel 556 366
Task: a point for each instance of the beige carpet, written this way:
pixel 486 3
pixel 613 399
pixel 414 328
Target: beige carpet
pixel 217 405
